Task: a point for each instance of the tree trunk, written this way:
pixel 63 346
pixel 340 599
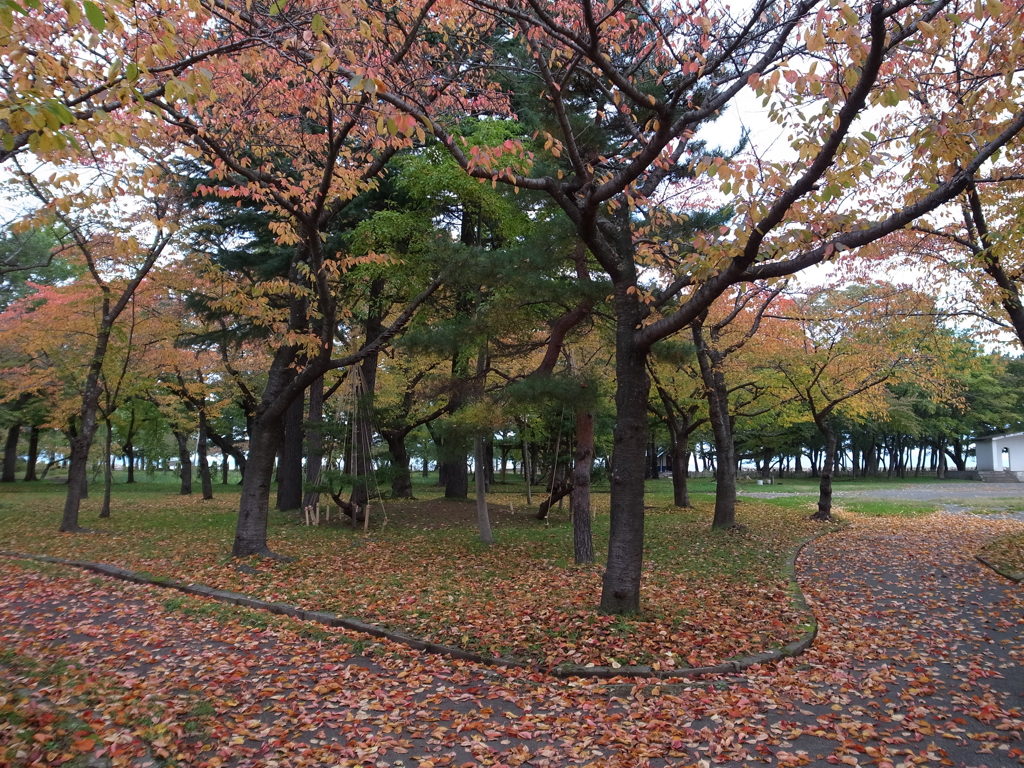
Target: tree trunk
pixel 129 454
pixel 680 470
pixel 33 453
pixel 204 462
pixel 108 471
pixel 621 584
pixel 366 389
pixel 483 519
pixel 77 482
pixel 128 447
pixel 871 459
pixel 957 454
pixel 579 503
pixel 289 470
pixel 401 476
pixel 251 529
pixel 717 394
pixel 314 444
pixel 227 448
pixel 442 468
pixel 653 465
pixel 680 426
pixel 184 462
pixel 559 490
pixel 11 454
pixel 456 473
pixel 827 466
pixel 528 471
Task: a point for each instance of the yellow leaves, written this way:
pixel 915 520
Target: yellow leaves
pixel 73 11
pixel 285 232
pixel 849 15
pixel 815 40
pixel 364 84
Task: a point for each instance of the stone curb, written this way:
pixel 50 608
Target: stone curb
pixel 282 609
pixel 1006 573
pixel 562 671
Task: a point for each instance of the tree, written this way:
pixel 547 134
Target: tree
pixel 116 261
pixel 306 143
pixel 846 348
pixel 656 79
pixel 715 340
pixel 27 259
pixel 683 407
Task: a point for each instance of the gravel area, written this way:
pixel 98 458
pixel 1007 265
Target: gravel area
pixel 1003 500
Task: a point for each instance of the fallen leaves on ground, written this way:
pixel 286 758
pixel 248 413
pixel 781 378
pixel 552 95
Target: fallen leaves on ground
pixel 917 663
pixel 708 595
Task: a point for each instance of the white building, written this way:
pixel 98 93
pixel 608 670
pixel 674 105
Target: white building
pixel 1000 452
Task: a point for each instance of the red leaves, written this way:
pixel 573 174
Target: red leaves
pixel 83 744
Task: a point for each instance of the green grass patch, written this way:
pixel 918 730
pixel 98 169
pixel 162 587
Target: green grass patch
pixel 888 507
pixel 805 502
pixel 995 506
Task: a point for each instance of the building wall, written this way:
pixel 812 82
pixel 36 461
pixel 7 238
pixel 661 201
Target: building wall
pixel 1016 447
pixel 987 451
pixel 990 453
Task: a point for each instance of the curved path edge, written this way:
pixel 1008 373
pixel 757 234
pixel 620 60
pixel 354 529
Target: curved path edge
pixel 1006 573
pixel 794 648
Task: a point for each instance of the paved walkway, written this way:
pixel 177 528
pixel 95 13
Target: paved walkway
pixel 918 662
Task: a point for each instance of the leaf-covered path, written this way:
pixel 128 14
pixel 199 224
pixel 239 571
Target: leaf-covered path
pixel 918 662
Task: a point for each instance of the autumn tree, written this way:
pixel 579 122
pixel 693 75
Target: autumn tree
pixel 117 252
pixel 659 77
pixel 291 130
pixel 847 349
pixel 717 337
pixel 27 261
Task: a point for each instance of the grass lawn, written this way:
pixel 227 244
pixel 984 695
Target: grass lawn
pixel 708 595
pixel 886 508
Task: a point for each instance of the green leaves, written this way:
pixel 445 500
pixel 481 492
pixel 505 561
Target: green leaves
pixel 95 16
pixel 60 114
